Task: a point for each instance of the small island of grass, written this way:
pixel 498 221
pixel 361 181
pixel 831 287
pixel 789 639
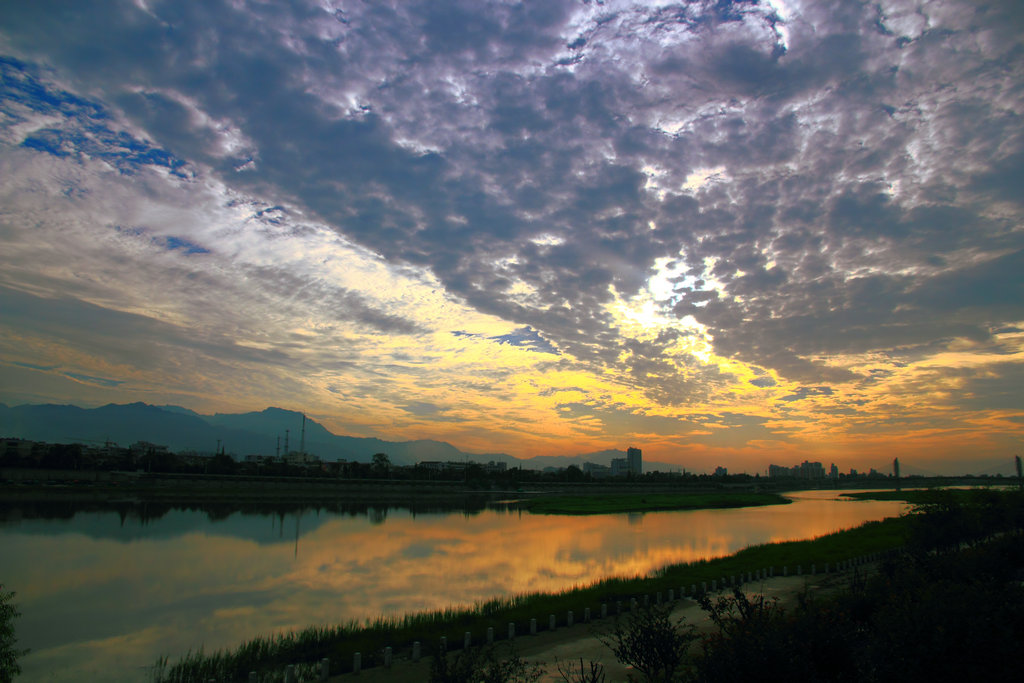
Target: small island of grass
pixel 647 502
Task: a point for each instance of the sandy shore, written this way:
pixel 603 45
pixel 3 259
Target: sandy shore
pixel 547 649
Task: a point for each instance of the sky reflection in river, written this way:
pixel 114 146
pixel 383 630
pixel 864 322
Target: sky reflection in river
pixel 103 596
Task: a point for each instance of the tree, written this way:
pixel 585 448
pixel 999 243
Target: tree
pixel 650 642
pixel 573 473
pixel 754 641
pixel 9 654
pixel 381 462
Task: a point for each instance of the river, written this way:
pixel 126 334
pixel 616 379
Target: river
pixel 104 592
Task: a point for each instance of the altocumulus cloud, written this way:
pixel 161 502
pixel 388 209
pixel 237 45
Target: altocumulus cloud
pixel 724 204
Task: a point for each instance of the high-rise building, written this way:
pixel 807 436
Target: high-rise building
pixel 634 461
pixel 812 470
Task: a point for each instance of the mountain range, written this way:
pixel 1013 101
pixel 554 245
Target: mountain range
pixel 255 433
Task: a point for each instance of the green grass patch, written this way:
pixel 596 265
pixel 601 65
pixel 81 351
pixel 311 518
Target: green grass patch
pixel 340 642
pixel 648 502
pixel 927 496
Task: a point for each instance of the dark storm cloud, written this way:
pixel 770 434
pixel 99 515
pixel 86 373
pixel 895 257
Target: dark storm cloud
pixel 502 146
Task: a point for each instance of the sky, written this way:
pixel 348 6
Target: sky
pixel 729 233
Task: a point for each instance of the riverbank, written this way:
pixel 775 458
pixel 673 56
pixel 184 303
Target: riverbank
pixel 934 605
pixel 340 643
pixel 926 496
pixel 583 641
pixel 27 486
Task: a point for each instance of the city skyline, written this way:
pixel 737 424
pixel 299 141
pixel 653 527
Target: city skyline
pixel 732 233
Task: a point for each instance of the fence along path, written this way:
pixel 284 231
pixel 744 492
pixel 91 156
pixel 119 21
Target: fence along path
pixel 575 634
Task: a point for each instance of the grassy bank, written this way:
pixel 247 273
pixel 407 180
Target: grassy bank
pixel 924 616
pixel 648 502
pixel 340 642
pixel 929 496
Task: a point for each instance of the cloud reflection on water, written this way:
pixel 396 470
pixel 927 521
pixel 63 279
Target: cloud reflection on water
pixel 92 603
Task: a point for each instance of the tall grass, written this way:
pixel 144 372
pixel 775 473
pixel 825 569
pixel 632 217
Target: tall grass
pixel 270 654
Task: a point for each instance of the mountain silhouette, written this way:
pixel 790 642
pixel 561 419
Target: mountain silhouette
pixel 240 434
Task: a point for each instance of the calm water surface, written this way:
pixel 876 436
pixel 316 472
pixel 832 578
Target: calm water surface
pixel 104 593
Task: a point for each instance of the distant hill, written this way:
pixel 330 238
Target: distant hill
pixel 123 424
pixel 181 429
pixel 256 433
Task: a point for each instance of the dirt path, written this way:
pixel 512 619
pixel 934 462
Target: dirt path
pixel 548 649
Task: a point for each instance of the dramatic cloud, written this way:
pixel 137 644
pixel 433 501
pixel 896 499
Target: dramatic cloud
pixel 540 227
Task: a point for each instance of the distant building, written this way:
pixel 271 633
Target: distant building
pixel 301 459
pixel 812 470
pixel 620 467
pixel 147 448
pixel 439 466
pixel 491 467
pixel 634 461
pixel 17 448
pixel 805 470
pixel 597 471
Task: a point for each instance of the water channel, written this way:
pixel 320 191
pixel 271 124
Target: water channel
pixel 104 592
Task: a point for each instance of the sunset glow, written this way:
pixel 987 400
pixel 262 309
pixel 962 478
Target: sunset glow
pixel 730 233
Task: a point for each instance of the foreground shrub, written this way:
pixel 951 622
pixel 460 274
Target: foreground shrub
pixel 591 672
pixel 475 665
pixel 649 641
pixel 9 654
pixel 940 617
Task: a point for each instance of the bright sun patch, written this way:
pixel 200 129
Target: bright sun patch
pixel 700 177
